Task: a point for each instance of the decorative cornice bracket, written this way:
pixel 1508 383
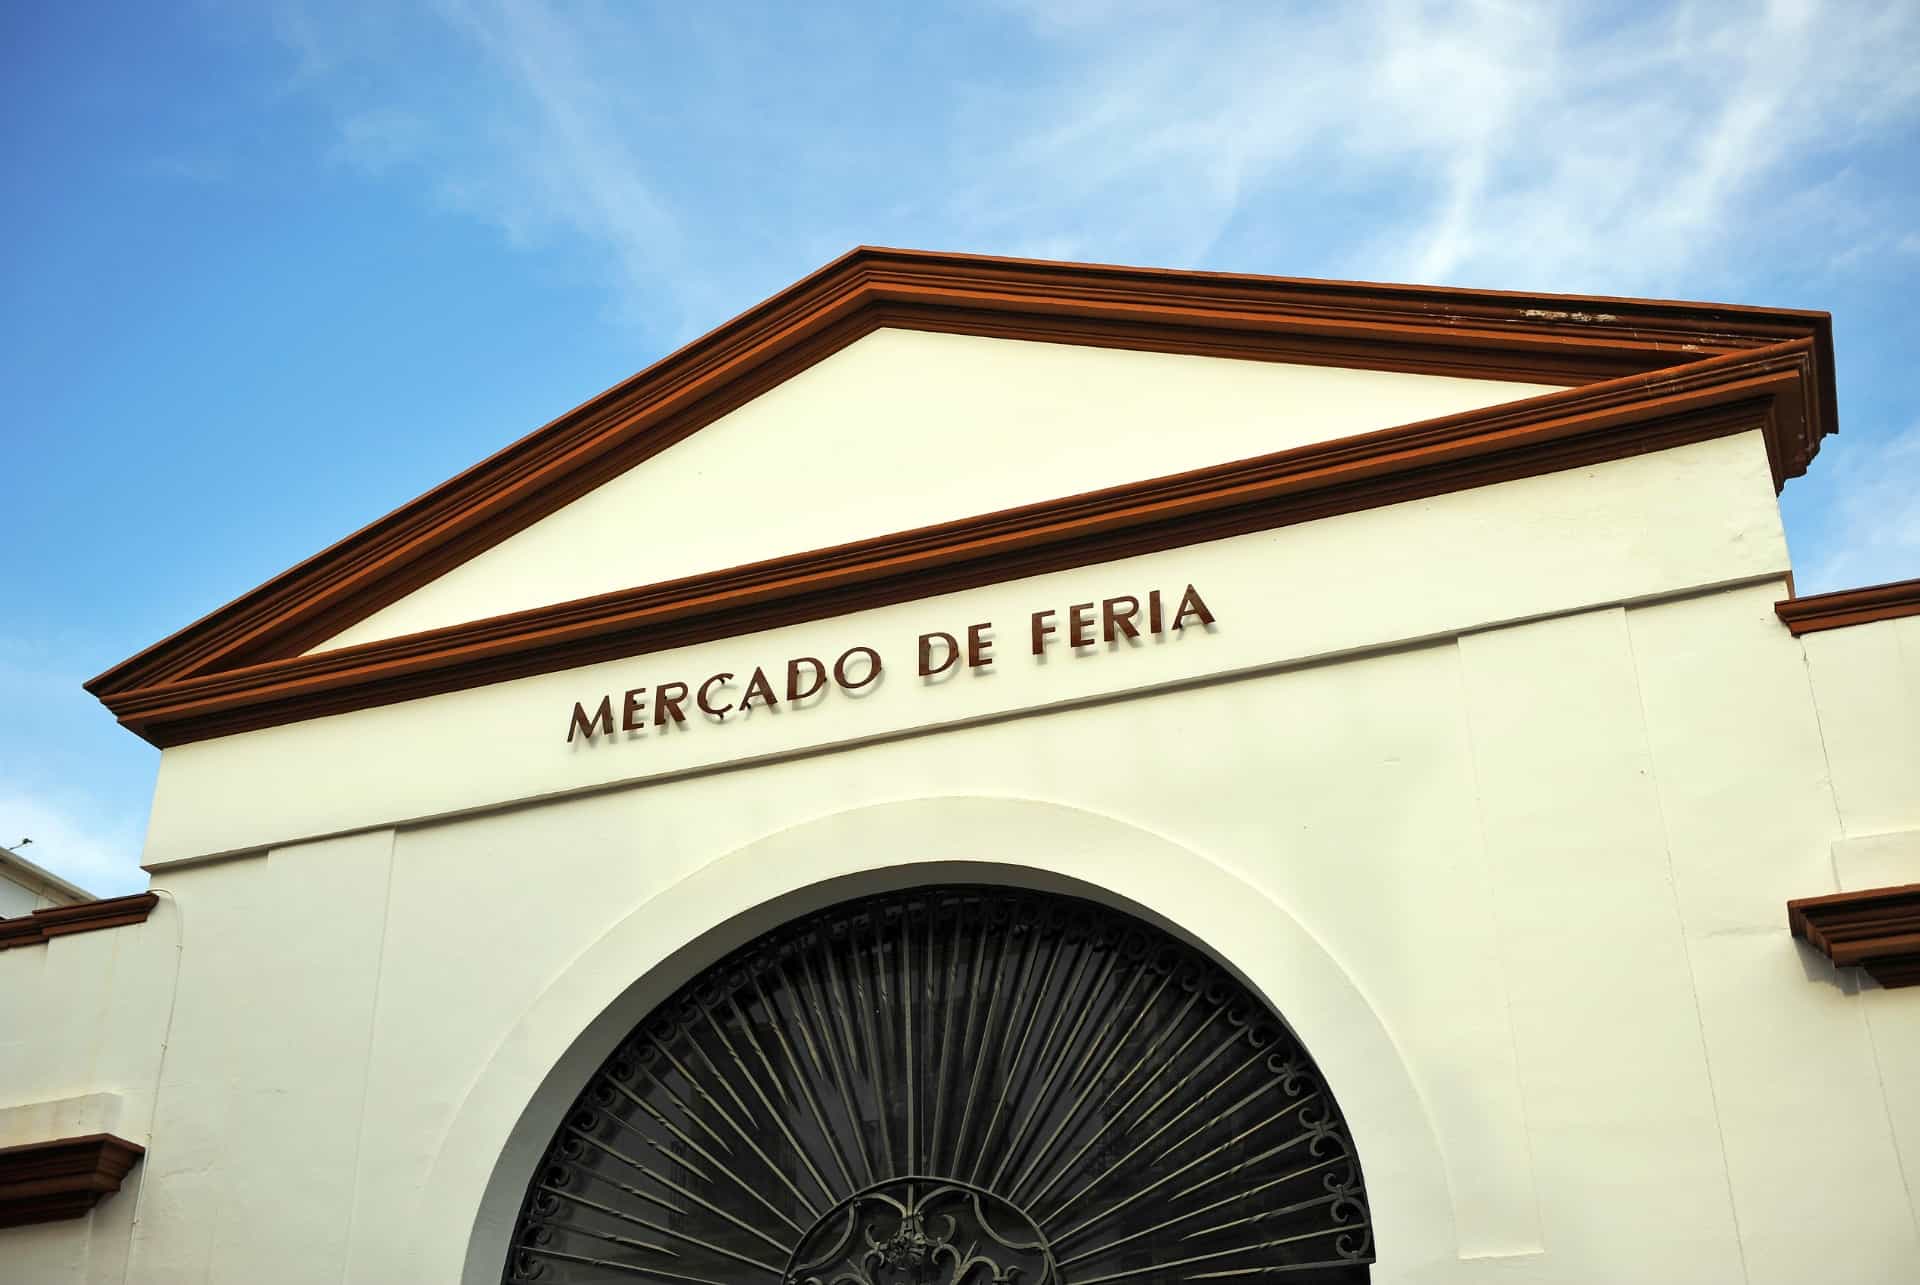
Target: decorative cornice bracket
pixel 43 1182
pixel 1876 929
pixel 57 921
pixel 1845 607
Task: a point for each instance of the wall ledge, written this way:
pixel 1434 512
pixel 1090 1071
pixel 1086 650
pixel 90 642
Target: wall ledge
pixel 1876 929
pixel 1845 607
pixel 42 1182
pixel 57 921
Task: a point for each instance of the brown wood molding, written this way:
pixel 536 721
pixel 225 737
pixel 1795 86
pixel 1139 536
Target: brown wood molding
pixel 42 1182
pixel 87 916
pixel 1877 929
pixel 1846 607
pixel 1483 334
pixel 1764 389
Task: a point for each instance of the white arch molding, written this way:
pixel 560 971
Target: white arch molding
pixel 500 1130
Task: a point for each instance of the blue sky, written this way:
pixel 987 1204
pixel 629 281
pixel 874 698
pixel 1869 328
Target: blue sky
pixel 270 270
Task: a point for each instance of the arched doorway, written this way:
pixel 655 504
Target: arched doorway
pixel 953 1085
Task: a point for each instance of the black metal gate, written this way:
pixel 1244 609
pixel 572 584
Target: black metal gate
pixel 952 1086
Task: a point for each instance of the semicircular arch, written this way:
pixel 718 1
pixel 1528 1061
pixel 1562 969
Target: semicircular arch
pixel 502 1128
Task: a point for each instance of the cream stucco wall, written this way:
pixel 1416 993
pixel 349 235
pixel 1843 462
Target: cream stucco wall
pixel 25 887
pixel 83 1034
pixel 1669 523
pixel 1531 928
pixel 903 429
pixel 1497 797
pixel 1866 684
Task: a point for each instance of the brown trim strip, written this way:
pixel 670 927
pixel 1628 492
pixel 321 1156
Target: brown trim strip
pixel 1481 334
pixel 1763 389
pixel 1877 929
pixel 43 1182
pixel 1845 607
pixel 88 916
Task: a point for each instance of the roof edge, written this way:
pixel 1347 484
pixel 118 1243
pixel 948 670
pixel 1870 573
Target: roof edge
pixel 70 892
pixel 1764 389
pixel 1573 340
pixel 1844 607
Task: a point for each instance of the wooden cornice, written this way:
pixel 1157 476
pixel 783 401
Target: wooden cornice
pixel 84 917
pixel 43 1182
pixel 1627 353
pixel 1762 389
pixel 1850 607
pixel 1877 929
pixel 1483 334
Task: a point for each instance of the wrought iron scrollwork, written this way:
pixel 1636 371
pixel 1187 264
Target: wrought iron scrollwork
pixel 952 1086
pixel 923 1231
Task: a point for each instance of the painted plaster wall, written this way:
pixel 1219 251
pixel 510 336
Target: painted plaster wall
pixel 83 1023
pixel 1658 524
pixel 1497 797
pixel 1519 890
pixel 19 898
pixel 261 1095
pixel 904 429
pixel 25 888
pixel 1866 683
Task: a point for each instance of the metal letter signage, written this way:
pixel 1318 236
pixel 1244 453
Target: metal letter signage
pixel 1081 629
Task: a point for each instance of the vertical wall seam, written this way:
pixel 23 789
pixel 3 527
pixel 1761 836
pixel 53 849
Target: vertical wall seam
pixel 366 1064
pixel 1860 999
pixel 1886 1105
pixel 159 1078
pixel 1499 940
pixel 1686 942
pixel 1905 668
pixel 1826 757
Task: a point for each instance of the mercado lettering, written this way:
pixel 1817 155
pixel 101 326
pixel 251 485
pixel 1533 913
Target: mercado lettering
pixel 1124 619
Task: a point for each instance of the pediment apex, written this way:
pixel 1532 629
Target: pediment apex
pixel 1583 344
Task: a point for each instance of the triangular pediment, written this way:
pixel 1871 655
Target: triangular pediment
pixel 904 429
pixel 901 423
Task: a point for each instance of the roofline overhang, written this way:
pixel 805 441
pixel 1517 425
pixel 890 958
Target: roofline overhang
pixel 1635 373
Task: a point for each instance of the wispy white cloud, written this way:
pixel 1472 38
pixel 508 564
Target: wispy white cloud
pixel 380 139
pixel 69 779
pixel 1517 144
pixel 189 166
pixel 690 163
pixel 573 165
pixel 1870 533
pixel 529 123
pixel 1522 145
pixel 75 837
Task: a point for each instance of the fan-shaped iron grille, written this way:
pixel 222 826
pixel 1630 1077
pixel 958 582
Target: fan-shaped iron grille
pixel 952 1086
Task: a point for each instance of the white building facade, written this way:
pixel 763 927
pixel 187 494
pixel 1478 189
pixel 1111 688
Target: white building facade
pixel 982 770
